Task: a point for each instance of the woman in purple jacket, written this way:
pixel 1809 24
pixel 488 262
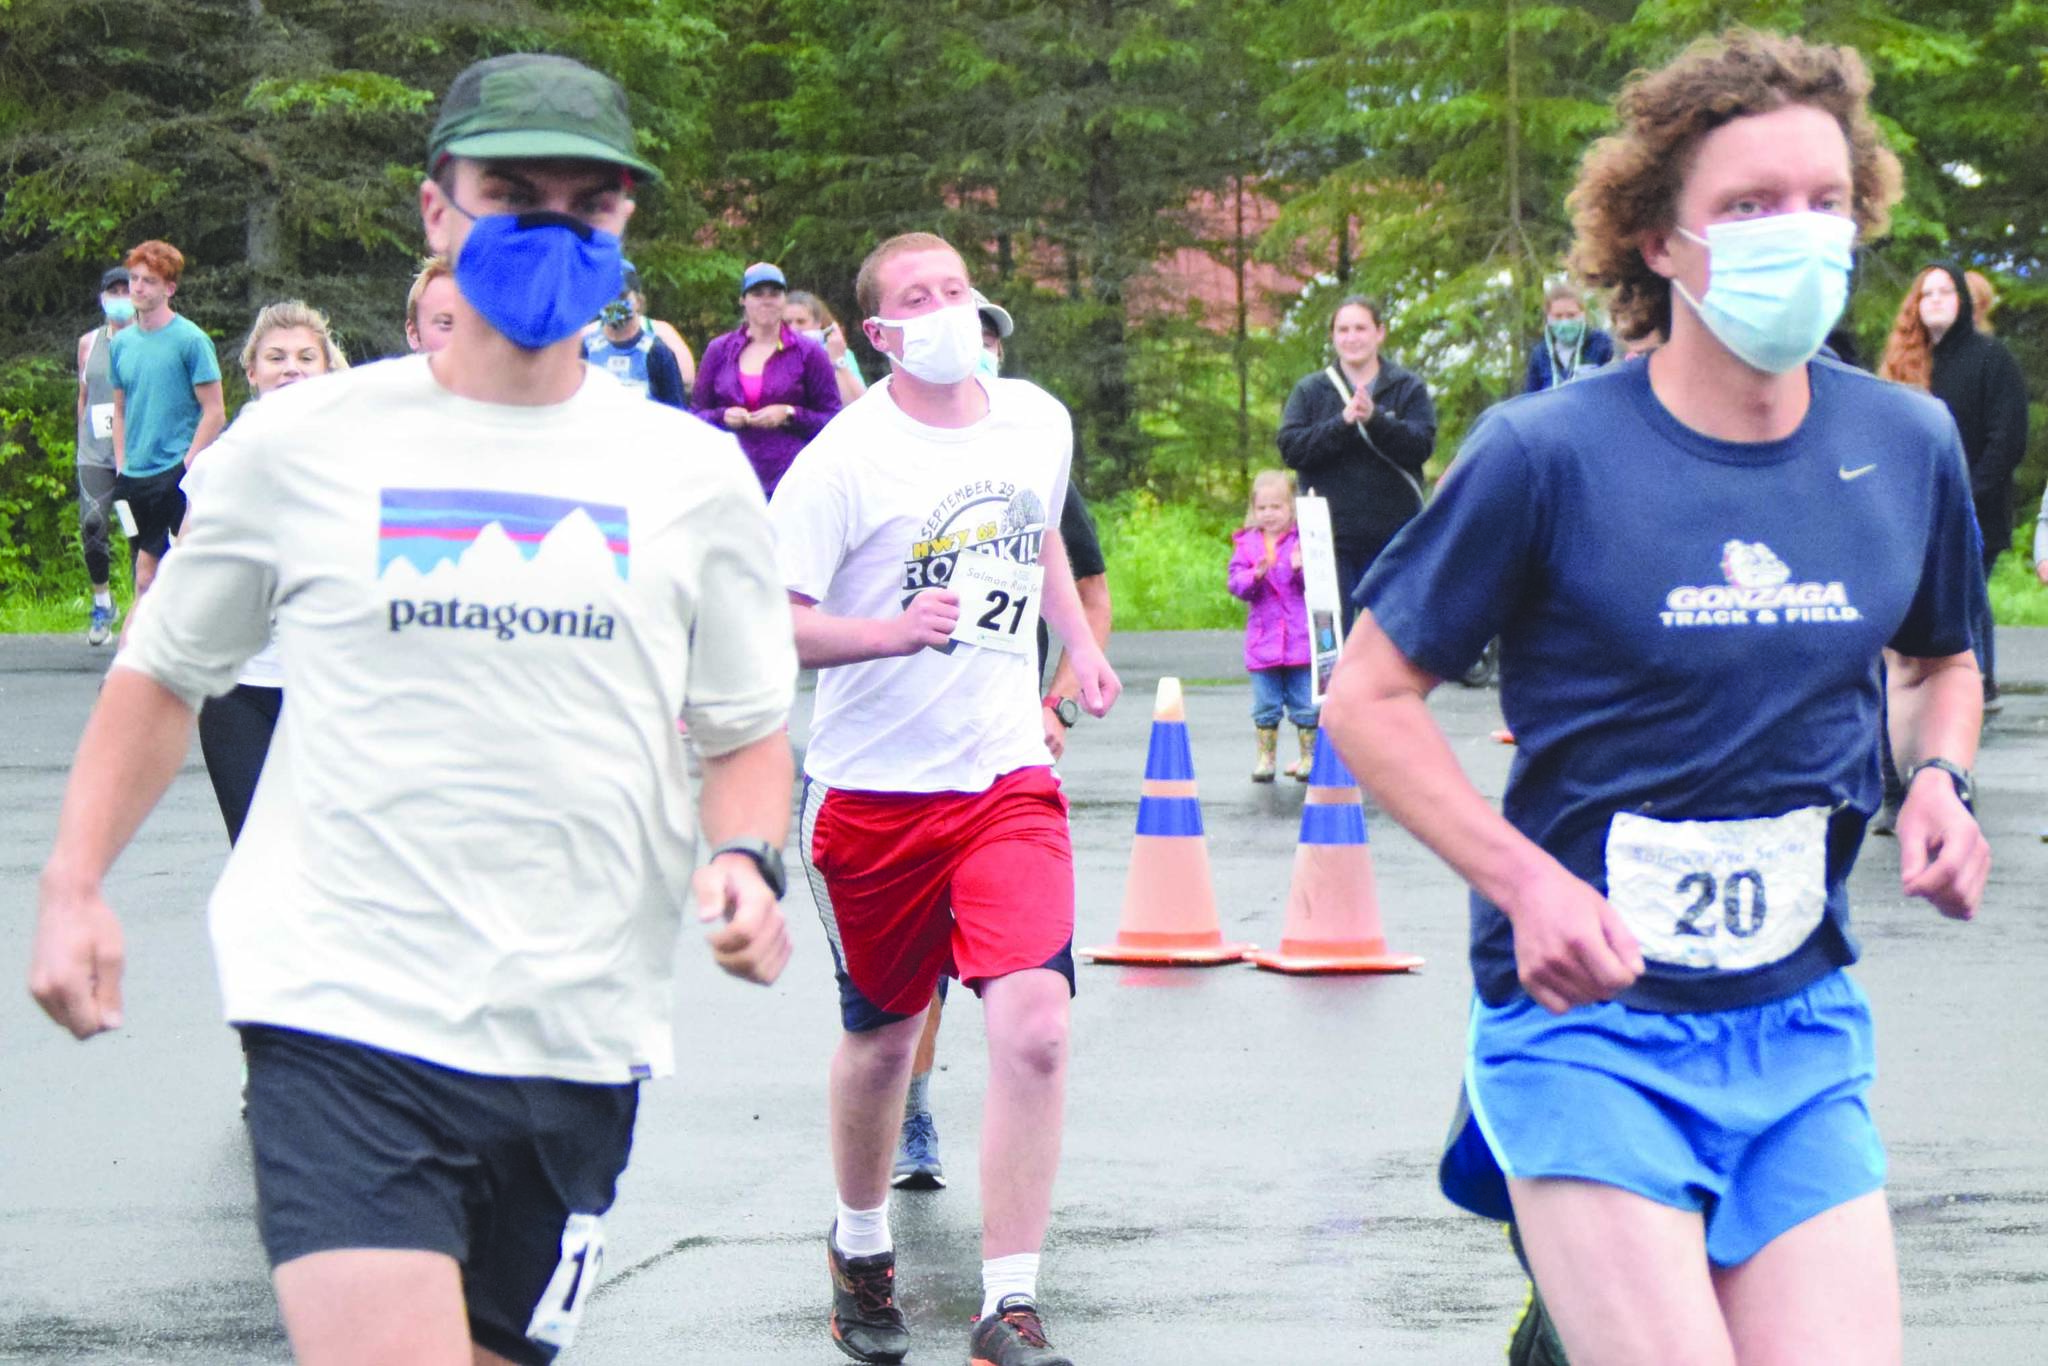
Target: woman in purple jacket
pixel 772 386
pixel 1265 570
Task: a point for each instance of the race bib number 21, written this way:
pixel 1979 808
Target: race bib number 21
pixel 998 602
pixel 1723 895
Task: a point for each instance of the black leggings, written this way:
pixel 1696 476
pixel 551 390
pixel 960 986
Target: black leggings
pixel 234 735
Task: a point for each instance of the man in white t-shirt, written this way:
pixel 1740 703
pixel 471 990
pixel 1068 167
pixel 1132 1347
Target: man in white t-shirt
pixel 446 934
pixel 918 538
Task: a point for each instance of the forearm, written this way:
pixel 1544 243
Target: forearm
pixel 1936 708
pixel 823 641
pixel 1094 595
pixel 133 745
pixel 1378 717
pixel 745 794
pixel 212 418
pixel 120 432
pixel 1062 606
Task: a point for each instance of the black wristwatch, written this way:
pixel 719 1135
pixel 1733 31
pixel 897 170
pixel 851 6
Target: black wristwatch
pixel 766 857
pixel 1966 787
pixel 1065 708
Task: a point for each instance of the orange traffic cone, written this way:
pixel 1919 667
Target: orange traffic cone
pixel 1169 906
pixel 1333 911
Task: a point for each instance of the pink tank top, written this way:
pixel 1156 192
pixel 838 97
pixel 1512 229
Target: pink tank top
pixel 750 389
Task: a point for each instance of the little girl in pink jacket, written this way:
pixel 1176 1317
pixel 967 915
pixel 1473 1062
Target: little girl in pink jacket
pixel 1265 570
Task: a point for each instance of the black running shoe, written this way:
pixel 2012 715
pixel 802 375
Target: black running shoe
pixel 866 1324
pixel 1013 1336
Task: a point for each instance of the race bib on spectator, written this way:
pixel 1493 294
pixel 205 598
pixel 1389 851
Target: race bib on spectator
pixel 998 602
pixel 102 415
pixel 1724 895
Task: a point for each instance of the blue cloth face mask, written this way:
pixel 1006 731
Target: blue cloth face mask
pixel 117 308
pixel 538 277
pixel 1775 285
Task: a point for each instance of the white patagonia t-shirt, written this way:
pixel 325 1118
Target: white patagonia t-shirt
pixel 879 507
pixel 264 669
pixel 472 841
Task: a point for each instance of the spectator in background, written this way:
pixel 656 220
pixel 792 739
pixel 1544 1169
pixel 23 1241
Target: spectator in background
pixel 771 385
pixel 808 314
pixel 430 306
pixel 1358 433
pixel 1935 345
pixel 626 348
pixel 95 445
pixel 1570 345
pixel 167 404
pixel 1983 300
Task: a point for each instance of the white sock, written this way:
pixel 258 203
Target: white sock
pixel 863 1232
pixel 1016 1274
pixel 103 597
pixel 918 1097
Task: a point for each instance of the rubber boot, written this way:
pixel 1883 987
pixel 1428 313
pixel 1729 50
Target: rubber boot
pixel 1299 770
pixel 1269 748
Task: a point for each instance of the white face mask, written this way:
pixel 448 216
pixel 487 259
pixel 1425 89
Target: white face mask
pixel 940 347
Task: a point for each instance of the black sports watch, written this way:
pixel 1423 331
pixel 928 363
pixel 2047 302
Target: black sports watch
pixel 1066 708
pixel 1966 787
pixel 766 857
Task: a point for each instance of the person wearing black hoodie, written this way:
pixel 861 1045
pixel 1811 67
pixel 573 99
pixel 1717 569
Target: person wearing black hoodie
pixel 1977 378
pixel 1358 433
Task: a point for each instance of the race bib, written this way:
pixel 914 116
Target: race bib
pixel 102 415
pixel 1725 895
pixel 998 602
pixel 560 1309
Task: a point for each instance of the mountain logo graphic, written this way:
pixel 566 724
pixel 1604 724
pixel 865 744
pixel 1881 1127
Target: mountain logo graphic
pixel 430 527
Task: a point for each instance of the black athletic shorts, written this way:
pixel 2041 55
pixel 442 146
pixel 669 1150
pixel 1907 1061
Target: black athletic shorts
pixel 360 1148
pixel 158 506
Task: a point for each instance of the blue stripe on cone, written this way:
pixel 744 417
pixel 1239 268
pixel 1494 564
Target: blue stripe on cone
pixel 1327 770
pixel 1169 816
pixel 1333 824
pixel 1168 758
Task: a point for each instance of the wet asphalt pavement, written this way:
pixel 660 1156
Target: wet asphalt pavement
pixel 1249 1171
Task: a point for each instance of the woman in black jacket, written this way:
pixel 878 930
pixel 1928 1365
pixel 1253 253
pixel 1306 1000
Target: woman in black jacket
pixel 1358 433
pixel 1935 345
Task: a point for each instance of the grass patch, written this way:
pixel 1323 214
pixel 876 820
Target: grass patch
pixel 2018 598
pixel 1167 565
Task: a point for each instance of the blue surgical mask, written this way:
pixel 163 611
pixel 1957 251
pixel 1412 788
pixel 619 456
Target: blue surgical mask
pixel 538 277
pixel 117 308
pixel 988 367
pixel 1775 286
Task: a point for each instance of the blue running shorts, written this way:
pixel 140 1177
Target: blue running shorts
pixel 1755 1116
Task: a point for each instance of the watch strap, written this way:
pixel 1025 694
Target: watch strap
pixel 766 857
pixel 1966 786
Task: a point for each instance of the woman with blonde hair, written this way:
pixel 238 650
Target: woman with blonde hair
pixel 1937 345
pixel 290 341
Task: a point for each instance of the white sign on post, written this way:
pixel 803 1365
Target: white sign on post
pixel 998 602
pixel 1320 589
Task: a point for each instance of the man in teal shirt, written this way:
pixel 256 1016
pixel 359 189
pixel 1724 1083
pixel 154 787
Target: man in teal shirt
pixel 167 405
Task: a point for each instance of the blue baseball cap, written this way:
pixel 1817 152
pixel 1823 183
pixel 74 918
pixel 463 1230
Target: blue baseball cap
pixel 763 273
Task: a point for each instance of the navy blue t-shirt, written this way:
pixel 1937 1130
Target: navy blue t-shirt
pixel 1689 627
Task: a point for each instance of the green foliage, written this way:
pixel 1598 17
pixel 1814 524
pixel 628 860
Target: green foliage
pixel 1421 153
pixel 38 492
pixel 1167 565
pixel 2018 597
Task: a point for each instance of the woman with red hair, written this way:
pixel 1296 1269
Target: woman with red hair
pixel 1936 345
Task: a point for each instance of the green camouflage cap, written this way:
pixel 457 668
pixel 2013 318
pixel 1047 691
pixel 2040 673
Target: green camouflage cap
pixel 529 106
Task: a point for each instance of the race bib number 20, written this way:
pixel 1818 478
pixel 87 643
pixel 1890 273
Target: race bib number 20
pixel 1723 895
pixel 998 602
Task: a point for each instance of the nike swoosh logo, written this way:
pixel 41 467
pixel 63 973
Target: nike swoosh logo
pixel 1856 473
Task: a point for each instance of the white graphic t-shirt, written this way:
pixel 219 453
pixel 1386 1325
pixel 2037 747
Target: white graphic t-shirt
pixel 473 838
pixel 880 507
